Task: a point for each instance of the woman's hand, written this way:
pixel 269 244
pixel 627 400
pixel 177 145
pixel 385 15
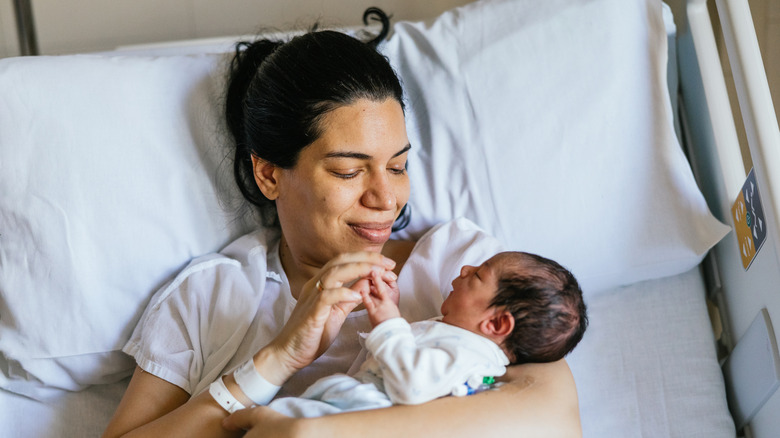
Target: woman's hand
pixel 322 307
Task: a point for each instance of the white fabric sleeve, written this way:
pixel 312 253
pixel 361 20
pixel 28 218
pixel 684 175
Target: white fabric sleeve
pixel 178 338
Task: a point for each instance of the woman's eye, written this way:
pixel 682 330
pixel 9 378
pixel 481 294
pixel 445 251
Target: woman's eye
pixel 397 168
pixel 345 175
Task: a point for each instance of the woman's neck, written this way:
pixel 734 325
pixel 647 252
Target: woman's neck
pixel 297 273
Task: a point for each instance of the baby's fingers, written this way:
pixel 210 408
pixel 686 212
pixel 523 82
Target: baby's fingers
pixel 367 300
pixel 386 287
pixel 381 288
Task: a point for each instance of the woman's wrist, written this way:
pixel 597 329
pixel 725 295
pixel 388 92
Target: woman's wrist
pixel 254 385
pixel 271 364
pixel 249 384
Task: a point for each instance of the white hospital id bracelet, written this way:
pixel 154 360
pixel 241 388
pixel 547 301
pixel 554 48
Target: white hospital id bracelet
pixel 254 385
pixel 219 391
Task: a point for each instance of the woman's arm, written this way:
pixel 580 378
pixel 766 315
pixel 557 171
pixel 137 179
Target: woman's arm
pixel 536 400
pixel 154 407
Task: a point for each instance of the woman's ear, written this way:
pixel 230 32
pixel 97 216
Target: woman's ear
pixel 499 325
pixel 266 177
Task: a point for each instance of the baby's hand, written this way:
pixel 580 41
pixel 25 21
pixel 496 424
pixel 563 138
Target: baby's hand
pixel 381 300
pixel 390 280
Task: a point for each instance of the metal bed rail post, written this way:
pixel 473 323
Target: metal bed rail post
pixel 755 102
pixel 717 97
pixel 25 26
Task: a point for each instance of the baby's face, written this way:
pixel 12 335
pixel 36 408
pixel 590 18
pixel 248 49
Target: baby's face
pixel 472 291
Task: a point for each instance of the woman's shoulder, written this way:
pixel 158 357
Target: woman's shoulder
pixel 229 286
pixel 253 244
pixel 245 257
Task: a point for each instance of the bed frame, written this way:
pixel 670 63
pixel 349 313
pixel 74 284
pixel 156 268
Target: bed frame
pixel 710 136
pixel 25 26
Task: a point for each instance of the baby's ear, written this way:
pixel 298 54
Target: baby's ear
pixel 499 325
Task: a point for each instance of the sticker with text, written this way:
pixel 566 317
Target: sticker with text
pixel 749 222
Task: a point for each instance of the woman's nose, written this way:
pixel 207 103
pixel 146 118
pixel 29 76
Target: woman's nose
pixel 379 194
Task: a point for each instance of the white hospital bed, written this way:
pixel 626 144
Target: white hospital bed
pixel 548 123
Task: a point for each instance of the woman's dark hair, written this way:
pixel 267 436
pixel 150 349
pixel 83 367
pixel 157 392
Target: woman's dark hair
pixel 547 304
pixel 278 93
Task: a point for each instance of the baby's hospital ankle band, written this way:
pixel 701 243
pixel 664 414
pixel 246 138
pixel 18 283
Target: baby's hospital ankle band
pixel 473 385
pixel 225 398
pixel 254 385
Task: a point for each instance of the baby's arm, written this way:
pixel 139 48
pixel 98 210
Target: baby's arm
pixel 381 299
pixel 430 361
pixel 416 373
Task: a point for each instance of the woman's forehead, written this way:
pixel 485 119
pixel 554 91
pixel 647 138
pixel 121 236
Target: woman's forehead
pixel 363 130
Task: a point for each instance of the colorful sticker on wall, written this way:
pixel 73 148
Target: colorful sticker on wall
pixel 749 222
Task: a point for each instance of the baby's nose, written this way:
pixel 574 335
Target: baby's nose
pixel 465 270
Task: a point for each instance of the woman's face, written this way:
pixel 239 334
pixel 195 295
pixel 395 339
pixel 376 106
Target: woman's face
pixel 348 186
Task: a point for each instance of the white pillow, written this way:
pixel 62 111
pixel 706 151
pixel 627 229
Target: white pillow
pixel 107 175
pixel 545 122
pixel 548 123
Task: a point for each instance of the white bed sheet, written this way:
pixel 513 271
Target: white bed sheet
pixel 646 368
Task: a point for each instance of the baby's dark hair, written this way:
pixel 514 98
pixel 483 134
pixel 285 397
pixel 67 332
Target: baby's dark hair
pixel 547 304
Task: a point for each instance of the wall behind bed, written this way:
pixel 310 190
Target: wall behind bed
pixel 75 26
pixel 9 45
pixel 97 25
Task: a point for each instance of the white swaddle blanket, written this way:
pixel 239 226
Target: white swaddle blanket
pixel 407 364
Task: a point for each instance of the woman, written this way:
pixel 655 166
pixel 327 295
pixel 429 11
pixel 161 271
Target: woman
pixel 321 150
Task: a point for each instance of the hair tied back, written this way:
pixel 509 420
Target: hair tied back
pixel 247 60
pixel 376 14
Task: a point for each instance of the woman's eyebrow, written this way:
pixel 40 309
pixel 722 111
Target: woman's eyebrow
pixel 404 150
pixel 356 155
pixel 362 156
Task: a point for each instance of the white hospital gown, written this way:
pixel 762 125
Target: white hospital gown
pixel 406 364
pixel 223 308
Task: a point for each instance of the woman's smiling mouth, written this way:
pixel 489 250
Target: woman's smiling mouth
pixel 372 231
